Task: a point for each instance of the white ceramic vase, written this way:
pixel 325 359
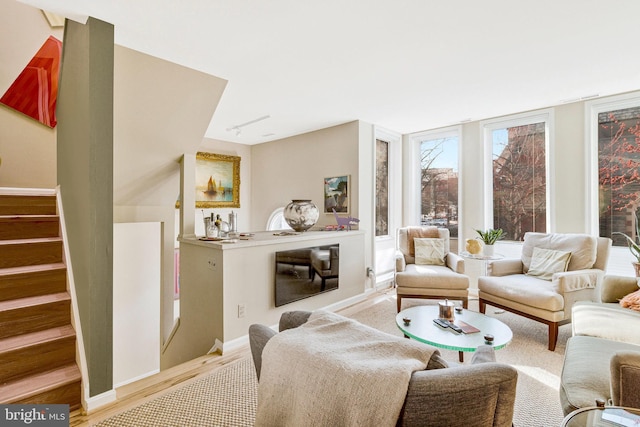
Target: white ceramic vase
pixel 301 215
pixel 488 250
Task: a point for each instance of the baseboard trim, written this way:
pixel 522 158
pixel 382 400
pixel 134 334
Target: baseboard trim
pixel 100 400
pixel 138 378
pixel 239 342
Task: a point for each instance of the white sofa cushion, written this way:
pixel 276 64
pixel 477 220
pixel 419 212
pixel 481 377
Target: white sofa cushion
pixel 583 248
pixel 432 277
pixel 525 290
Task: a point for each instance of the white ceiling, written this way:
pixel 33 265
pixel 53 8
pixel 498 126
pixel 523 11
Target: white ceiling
pixel 405 65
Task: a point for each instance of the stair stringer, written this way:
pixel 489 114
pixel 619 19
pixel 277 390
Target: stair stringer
pixel 89 403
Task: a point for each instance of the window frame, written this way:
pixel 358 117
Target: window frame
pixel 592 110
pixel 415 142
pixel 522 119
pixel 393 141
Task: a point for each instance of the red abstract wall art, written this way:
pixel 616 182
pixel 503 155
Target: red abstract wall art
pixel 35 91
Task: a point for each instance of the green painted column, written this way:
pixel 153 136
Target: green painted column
pixel 85 178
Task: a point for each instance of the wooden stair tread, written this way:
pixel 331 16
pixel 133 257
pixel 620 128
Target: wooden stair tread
pixel 35 384
pixel 26 340
pixel 33 301
pixel 25 269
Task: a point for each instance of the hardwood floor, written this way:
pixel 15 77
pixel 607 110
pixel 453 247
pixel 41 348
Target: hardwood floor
pixel 139 392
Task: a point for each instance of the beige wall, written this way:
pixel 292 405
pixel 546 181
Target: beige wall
pixel 294 168
pixel 161 111
pixel 571 157
pixel 27 147
pixel 244 211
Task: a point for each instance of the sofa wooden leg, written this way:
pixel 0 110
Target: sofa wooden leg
pixel 553 335
pixel 482 306
pixel 465 303
pixel 399 302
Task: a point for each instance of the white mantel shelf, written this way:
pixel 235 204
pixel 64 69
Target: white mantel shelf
pixel 262 238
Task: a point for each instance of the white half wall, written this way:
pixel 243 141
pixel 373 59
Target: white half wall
pixel 136 301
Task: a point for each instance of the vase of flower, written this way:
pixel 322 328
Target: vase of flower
pixel 489 238
pixel 301 215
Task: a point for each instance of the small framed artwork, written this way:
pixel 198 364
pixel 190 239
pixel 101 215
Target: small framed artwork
pixel 217 181
pixel 336 194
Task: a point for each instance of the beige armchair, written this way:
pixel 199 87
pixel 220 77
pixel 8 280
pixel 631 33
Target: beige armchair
pixel 547 296
pixel 428 280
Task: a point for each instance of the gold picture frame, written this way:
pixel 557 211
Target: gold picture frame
pixel 217 181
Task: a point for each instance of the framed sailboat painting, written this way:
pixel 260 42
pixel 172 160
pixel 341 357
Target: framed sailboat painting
pixel 217 181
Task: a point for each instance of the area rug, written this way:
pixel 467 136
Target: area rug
pixel 537 394
pixel 228 397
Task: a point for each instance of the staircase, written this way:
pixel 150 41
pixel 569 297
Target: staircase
pixel 37 341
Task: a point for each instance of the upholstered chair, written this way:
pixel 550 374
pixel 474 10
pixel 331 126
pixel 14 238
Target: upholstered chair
pixel 325 262
pixel 481 393
pixel 435 273
pixel 555 271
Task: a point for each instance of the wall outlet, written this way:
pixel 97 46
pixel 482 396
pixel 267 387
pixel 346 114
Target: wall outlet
pixel 241 311
pixel 211 264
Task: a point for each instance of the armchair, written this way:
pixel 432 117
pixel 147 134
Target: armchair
pixel 548 293
pixel 416 279
pixel 325 262
pixel 480 394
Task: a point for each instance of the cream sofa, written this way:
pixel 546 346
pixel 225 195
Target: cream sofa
pixel 510 285
pixel 602 358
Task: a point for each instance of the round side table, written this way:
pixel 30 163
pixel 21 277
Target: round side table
pixel 594 416
pixel 482 258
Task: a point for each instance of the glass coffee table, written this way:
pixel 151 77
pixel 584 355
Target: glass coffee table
pixel 423 329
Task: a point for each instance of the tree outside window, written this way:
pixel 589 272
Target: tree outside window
pixel 618 171
pixel 439 183
pixel 519 180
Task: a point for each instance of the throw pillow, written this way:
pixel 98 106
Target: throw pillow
pixel 545 262
pixel 631 301
pixel 420 232
pixel 429 251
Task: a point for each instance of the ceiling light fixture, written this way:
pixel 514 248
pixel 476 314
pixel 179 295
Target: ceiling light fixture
pixel 238 128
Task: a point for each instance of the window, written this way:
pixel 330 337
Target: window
pixel 518 177
pixel 382 188
pixel 276 221
pixel 439 180
pixel 618 133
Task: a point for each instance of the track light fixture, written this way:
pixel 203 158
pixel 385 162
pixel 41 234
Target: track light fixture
pixel 238 128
